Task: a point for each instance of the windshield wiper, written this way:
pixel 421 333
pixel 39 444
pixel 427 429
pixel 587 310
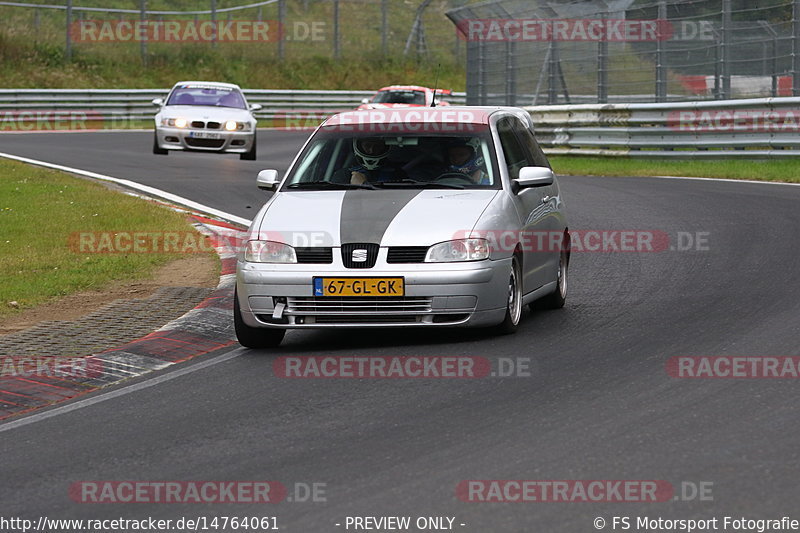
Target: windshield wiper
pixel 412 182
pixel 328 185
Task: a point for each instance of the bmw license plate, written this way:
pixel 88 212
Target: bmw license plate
pixel 204 135
pixel 359 287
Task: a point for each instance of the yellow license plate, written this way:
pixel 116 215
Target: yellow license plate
pixel 359 287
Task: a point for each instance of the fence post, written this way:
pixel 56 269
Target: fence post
pixel 552 62
pixel 281 22
pixel 796 48
pixel 726 49
pixel 384 27
pixel 214 22
pixel 511 73
pixel 143 42
pixel 661 56
pixel 68 47
pixel 336 50
pixel 602 67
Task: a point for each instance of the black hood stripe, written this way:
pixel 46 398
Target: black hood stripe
pixel 366 215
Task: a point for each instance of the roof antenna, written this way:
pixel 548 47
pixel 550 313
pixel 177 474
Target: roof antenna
pixel 435 84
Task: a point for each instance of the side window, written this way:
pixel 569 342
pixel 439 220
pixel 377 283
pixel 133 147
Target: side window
pixel 515 155
pixel 536 155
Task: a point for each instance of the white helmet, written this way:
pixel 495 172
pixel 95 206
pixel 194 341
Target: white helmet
pixel 370 151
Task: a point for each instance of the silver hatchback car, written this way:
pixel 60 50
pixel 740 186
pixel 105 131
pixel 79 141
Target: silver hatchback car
pixel 418 217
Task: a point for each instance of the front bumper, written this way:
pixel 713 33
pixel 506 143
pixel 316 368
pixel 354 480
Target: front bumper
pixel 235 142
pixel 456 294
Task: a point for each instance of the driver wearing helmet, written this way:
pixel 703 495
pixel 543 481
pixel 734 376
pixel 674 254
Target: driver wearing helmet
pixel 370 153
pixel 464 159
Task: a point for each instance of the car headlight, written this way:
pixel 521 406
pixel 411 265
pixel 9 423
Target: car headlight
pixel 174 122
pixel 269 252
pixel 232 125
pixel 458 250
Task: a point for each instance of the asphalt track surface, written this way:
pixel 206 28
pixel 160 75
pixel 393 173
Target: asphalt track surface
pixel 598 404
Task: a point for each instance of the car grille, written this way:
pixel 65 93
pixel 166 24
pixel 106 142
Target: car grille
pixel 199 125
pixel 369 259
pixel 407 254
pixel 358 305
pixel 205 143
pixel 318 255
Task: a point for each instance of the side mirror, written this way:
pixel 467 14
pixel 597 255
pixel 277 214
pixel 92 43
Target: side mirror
pixel 256 107
pixel 534 177
pixel 365 100
pixel 268 180
pixel 158 101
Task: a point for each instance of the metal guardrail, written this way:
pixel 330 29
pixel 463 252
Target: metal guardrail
pixel 119 105
pixel 751 128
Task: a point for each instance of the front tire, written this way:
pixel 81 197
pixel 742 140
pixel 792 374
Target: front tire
pixel 254 337
pixel 156 148
pixel 514 306
pixel 251 154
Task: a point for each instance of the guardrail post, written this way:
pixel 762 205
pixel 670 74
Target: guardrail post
pixel 727 32
pixel 68 46
pixel 796 48
pixel 661 55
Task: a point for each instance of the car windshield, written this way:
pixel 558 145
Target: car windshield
pixel 391 160
pixel 205 95
pixel 400 97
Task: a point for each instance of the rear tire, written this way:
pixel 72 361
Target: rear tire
pixel 254 337
pixel 250 155
pixel 514 307
pixel 557 299
pixel 157 149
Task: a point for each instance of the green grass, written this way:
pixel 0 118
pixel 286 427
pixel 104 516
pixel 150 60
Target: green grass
pixel 786 170
pixel 41 210
pixel 32 58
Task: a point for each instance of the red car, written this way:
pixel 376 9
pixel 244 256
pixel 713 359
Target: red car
pixel 405 96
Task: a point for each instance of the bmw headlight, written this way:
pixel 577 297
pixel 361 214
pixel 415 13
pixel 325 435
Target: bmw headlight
pixel 458 250
pixel 232 125
pixel 269 252
pixel 174 122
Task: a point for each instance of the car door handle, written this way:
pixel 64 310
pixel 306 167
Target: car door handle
pixel 546 199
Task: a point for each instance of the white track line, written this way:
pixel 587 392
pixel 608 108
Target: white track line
pixel 151 191
pixel 80 404
pixel 724 179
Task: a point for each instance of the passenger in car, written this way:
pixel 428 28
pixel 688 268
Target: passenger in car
pixel 463 159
